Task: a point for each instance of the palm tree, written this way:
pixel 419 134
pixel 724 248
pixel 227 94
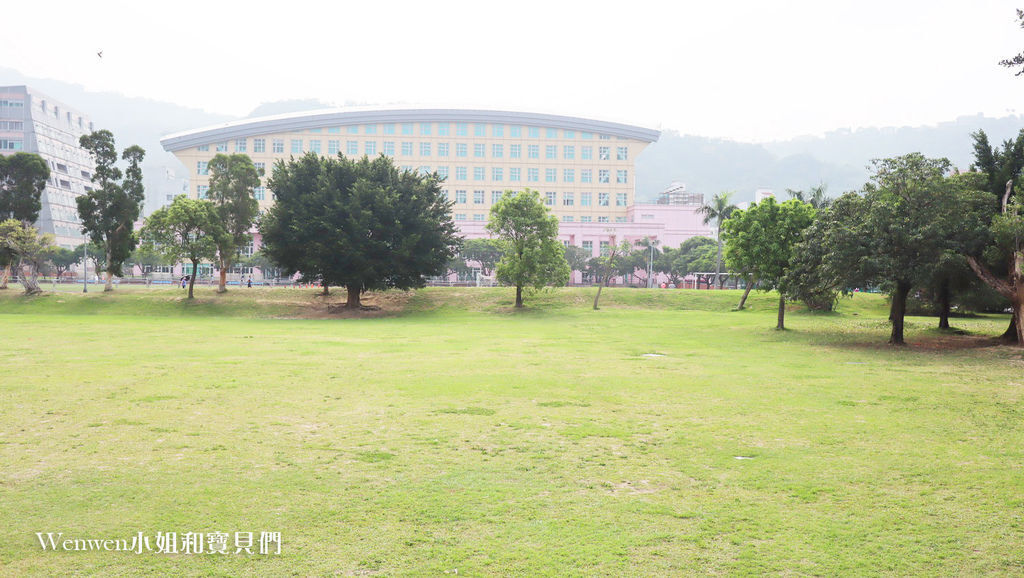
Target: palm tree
pixel 718 210
pixel 816 196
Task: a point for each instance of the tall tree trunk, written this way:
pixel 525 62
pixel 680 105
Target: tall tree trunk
pixel 519 296
pixel 1018 294
pixel 899 310
pixel 598 296
pixel 352 300
pixel 110 276
pixel 782 312
pixel 944 305
pixel 1010 289
pixel 192 279
pixel 5 276
pixel 223 286
pixel 1010 335
pixel 751 280
pixel 29 281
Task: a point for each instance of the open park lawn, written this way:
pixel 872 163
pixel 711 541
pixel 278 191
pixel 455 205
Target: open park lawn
pixel 662 435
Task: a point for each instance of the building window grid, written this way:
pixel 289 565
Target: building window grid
pixel 568 199
pixel 551 152
pixel 478 197
pixel 277 145
pixel 550 198
pixel 479 150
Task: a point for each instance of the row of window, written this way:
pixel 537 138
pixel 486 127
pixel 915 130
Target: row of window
pixel 550 198
pixel 460 129
pixel 426 149
pixel 565 219
pixel 498 174
pixel 9 125
pixel 11 103
pixel 11 144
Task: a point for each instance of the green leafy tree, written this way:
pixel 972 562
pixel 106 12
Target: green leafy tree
pixel 95 254
pixel 185 229
pixel 528 233
pixel 29 249
pixel 1007 233
pixel 809 278
pixel 894 235
pixel 364 225
pixel 22 180
pixel 577 257
pixel 997 166
pixel 62 259
pixel 233 179
pixel 610 265
pixel 109 211
pixel 145 257
pixel 1018 60
pixel 718 210
pixel 485 252
pixel 760 240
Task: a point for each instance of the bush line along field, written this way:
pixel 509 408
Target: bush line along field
pixel 661 435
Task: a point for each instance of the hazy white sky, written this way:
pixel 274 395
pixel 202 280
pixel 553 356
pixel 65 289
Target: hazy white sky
pixel 746 69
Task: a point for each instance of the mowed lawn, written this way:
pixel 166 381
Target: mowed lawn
pixel 662 435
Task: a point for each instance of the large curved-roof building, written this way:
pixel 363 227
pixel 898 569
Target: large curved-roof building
pixel 583 168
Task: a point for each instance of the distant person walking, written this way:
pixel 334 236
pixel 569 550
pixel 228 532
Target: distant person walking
pixel 250 282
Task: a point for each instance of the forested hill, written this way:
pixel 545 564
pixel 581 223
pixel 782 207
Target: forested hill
pixel 839 158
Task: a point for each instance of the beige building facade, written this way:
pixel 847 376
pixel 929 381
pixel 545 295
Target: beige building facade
pixel 584 169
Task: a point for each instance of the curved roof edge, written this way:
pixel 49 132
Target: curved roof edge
pixel 336 117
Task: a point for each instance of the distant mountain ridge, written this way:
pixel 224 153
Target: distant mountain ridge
pixel 838 159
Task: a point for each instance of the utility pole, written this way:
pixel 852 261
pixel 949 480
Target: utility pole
pixel 85 267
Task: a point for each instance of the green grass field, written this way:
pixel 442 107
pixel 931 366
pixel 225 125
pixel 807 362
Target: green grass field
pixel 662 435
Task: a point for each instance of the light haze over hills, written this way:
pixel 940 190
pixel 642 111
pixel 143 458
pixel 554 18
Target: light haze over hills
pixel 839 159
